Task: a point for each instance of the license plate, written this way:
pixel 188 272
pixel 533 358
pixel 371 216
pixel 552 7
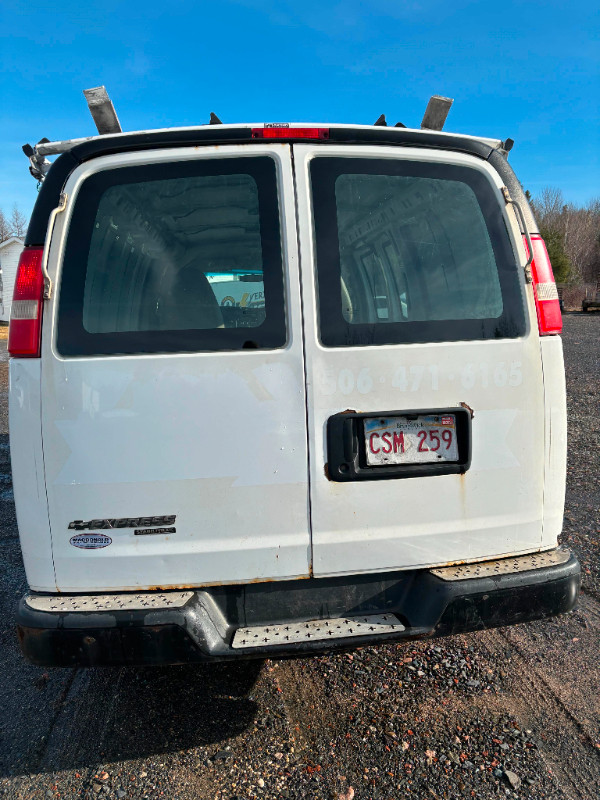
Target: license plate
pixel 426 439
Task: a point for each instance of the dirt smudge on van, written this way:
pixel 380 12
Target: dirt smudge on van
pixel 462 493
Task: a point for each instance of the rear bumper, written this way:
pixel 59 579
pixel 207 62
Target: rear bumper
pixel 188 626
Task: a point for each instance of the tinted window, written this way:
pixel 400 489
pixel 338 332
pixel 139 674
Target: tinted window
pixel 176 257
pixel 411 252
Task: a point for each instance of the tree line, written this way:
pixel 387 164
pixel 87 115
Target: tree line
pixel 13 225
pixel 572 236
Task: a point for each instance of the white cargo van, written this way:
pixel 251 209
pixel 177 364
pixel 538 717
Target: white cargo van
pixel 282 388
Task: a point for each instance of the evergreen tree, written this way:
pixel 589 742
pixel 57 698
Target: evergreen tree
pixel 555 244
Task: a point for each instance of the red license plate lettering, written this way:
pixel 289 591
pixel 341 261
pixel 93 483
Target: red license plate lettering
pixel 419 439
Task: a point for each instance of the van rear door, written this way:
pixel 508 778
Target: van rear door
pixel 425 392
pixel 173 408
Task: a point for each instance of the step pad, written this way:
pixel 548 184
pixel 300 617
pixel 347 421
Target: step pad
pixel 316 630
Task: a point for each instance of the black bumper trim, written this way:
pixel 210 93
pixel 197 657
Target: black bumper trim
pixel 202 630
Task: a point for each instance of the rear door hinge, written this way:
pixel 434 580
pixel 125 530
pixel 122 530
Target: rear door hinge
pixel 62 204
pixel 523 227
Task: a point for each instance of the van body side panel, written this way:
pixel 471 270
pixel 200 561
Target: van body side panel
pixel 211 444
pixel 495 508
pixel 555 452
pixel 27 460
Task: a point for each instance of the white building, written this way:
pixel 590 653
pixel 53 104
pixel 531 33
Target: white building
pixel 10 250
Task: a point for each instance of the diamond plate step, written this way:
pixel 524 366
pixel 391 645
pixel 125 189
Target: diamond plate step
pixel 316 630
pixel 108 602
pixel 504 566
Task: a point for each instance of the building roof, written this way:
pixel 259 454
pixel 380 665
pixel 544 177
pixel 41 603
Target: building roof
pixel 12 240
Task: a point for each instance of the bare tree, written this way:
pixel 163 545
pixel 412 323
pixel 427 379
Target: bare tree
pixel 577 228
pixel 549 205
pixel 18 222
pixel 5 230
pixel 582 231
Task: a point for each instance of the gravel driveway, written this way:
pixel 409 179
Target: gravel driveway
pixel 506 713
pixel 581 531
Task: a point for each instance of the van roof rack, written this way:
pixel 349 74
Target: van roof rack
pixel 109 128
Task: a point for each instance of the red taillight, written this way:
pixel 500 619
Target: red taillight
pixel 283 132
pixel 24 333
pixel 547 304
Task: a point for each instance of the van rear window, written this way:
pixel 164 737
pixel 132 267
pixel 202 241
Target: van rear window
pixel 411 251
pixel 174 257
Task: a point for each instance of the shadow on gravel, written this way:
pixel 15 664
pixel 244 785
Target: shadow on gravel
pixel 121 714
pixel 178 708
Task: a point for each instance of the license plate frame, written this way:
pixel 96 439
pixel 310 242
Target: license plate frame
pixel 347 456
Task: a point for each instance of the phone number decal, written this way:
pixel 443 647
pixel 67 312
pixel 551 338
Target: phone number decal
pixel 417 377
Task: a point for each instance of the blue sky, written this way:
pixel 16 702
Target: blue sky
pixel 529 71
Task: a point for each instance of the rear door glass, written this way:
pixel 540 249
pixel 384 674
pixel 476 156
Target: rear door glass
pixel 175 257
pixel 411 252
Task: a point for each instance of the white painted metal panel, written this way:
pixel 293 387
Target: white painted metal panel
pixel 555 451
pixel 495 508
pixel 219 439
pixel 27 459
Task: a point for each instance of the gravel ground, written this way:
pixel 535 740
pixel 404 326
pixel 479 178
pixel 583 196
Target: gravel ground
pixel 581 336
pixel 511 713
pixel 422 721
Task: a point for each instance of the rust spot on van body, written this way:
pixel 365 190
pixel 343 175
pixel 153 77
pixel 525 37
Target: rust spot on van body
pixel 180 587
pixel 455 562
pixel 468 408
pixel 197 587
